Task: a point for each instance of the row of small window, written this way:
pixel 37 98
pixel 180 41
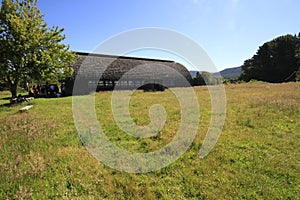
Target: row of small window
pixel 168 83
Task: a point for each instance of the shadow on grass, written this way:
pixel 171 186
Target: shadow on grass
pixel 9 104
pixel 5 105
pixel 6 98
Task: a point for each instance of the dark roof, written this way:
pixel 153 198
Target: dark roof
pixel 123 57
pixel 110 67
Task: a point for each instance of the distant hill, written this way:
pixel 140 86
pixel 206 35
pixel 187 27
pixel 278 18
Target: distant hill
pixel 229 73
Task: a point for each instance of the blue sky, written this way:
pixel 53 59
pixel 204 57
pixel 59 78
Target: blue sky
pixel 230 31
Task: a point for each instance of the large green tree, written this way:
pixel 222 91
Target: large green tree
pixel 275 61
pixel 29 49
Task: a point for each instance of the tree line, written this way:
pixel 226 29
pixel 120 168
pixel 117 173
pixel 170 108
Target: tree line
pixel 275 61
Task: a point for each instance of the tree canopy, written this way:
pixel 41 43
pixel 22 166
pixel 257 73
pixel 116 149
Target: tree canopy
pixel 275 61
pixel 29 49
pixel 205 78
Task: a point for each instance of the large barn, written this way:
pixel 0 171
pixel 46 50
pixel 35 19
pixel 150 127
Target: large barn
pixel 106 72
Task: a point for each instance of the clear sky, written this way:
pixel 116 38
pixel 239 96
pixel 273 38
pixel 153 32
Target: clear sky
pixel 230 31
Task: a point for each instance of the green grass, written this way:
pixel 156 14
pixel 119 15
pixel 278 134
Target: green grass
pixel 256 157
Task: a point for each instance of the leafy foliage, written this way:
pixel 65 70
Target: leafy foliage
pixel 205 78
pixel 298 75
pixel 29 49
pixel 275 61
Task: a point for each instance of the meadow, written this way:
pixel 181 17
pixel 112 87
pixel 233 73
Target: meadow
pixel 256 157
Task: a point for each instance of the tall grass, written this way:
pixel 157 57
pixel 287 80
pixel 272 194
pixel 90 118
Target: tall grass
pixel 256 157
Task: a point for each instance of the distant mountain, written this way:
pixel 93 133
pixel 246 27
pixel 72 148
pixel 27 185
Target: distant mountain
pixel 229 73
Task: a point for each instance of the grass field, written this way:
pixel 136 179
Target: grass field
pixel 256 157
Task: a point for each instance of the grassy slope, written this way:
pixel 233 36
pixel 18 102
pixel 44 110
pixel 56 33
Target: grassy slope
pixel 257 156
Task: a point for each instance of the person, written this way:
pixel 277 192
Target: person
pixel 56 89
pixel 30 93
pixel 52 90
pixel 21 99
pixel 43 91
pixel 38 88
pixel 47 88
pixel 34 90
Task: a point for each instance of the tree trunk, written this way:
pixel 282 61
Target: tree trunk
pixel 13 90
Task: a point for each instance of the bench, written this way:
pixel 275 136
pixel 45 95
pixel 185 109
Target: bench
pixel 26 108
